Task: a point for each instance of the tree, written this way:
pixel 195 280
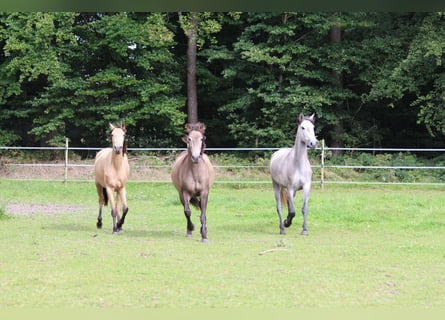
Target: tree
pixel 198 27
pixel 34 46
pixel 98 67
pixel 283 66
pixel 338 130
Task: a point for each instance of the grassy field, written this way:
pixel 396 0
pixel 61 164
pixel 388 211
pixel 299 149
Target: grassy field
pixel 367 247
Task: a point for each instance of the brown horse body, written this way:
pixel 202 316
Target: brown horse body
pixel 111 173
pixel 193 176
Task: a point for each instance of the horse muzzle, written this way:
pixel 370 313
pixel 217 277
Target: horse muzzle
pixel 117 150
pixel 312 144
pixel 195 159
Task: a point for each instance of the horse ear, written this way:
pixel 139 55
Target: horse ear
pixel 202 127
pixel 111 126
pixel 123 127
pixel 185 139
pixel 312 118
pixel 188 128
pixel 301 118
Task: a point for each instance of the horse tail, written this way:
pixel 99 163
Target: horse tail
pixel 104 192
pixel 284 198
pixel 195 202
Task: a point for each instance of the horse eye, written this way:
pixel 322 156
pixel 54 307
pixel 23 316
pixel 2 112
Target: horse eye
pixel 303 128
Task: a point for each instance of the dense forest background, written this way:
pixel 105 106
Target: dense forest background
pixel 372 79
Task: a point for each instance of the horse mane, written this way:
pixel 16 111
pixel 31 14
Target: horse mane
pixel 125 147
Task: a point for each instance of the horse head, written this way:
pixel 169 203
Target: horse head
pixel 195 140
pixel 117 136
pixel 306 131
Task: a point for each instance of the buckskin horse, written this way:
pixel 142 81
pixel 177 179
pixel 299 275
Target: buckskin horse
pixel 111 173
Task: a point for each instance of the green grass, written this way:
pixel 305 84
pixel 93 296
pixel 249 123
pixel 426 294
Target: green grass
pixel 367 247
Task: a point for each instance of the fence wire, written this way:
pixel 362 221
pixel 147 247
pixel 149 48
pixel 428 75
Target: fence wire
pixel 154 165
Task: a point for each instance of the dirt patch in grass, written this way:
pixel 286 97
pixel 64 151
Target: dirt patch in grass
pixel 49 209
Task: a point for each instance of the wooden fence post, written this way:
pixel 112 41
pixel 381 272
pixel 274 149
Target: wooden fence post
pixel 66 160
pixel 322 165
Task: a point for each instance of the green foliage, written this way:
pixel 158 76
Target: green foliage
pixel 66 74
pixel 98 68
pixel 388 172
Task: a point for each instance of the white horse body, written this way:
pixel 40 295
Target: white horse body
pixel 291 171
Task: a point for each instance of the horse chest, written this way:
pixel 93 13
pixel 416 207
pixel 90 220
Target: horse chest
pixel 197 180
pixel 113 180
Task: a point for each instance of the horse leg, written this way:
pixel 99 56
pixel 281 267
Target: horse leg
pixel 290 207
pixel 101 203
pixel 304 209
pixel 204 198
pixel 114 212
pixel 123 197
pixel 277 193
pixel 185 199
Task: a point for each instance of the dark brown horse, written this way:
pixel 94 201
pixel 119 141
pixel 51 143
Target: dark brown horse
pixel 193 176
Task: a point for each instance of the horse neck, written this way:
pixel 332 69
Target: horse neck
pixel 300 149
pixel 117 159
pixel 195 168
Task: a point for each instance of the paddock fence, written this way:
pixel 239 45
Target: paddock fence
pixel 233 165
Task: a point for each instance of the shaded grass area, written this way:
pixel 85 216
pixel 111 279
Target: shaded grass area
pixel 367 246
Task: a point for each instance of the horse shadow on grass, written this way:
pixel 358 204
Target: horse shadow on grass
pixel 129 233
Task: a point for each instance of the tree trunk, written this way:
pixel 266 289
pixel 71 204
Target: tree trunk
pixel 192 96
pixel 338 130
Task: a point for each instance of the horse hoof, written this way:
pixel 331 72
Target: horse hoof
pixel 287 224
pixel 99 225
pixel 204 240
pixel 282 232
pixel 188 235
pixel 304 233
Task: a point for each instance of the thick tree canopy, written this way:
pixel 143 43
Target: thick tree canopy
pixel 373 79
